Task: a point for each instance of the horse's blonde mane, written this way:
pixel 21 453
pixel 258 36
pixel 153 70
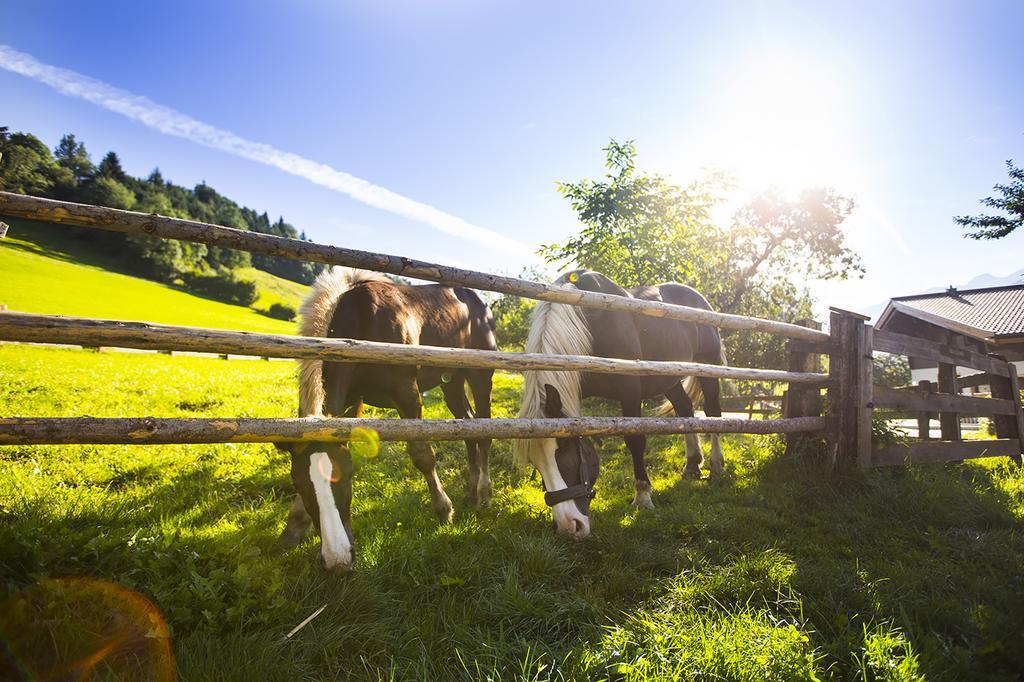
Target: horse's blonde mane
pixel 314 319
pixel 559 329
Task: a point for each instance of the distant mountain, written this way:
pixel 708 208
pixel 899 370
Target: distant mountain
pixel 979 282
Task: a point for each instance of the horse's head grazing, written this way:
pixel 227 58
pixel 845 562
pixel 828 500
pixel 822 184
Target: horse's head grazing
pixel 322 475
pixel 569 467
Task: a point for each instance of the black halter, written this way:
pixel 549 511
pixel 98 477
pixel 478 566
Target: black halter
pixel 585 488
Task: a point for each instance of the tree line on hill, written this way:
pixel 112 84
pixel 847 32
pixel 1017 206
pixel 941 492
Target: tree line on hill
pixel 68 173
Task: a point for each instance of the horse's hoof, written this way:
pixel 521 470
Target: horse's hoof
pixel 691 474
pixel 714 476
pixel 642 500
pixel 444 510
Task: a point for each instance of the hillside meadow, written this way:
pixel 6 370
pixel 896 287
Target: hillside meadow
pixel 45 269
pixel 773 573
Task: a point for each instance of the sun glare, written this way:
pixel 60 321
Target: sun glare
pixel 783 123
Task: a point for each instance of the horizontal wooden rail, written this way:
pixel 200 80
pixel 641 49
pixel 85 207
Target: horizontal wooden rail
pixel 33 328
pixel 943 451
pixel 130 222
pixel 974 380
pixel 921 401
pixel 159 431
pixel 901 344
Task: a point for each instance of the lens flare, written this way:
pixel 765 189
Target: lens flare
pixel 364 443
pixel 78 628
pixel 328 469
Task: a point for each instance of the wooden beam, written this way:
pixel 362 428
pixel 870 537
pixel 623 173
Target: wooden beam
pixel 924 417
pixel 130 222
pixel 949 422
pixel 84 331
pixel 901 344
pixel 849 398
pixel 157 431
pixel 944 451
pixel 864 394
pixel 801 402
pixel 1018 412
pixel 924 401
pixel 974 380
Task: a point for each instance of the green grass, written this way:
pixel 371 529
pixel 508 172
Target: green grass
pixel 772 573
pixel 40 273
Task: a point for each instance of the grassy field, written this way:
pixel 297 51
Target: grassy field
pixel 773 573
pixel 41 273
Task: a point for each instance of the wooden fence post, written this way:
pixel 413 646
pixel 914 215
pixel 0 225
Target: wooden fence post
pixel 949 422
pixel 799 401
pixel 924 427
pixel 850 396
pixel 1008 426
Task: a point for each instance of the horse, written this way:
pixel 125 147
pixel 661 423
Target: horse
pixel 568 466
pixel 358 304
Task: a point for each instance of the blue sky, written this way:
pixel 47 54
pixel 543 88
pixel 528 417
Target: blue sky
pixel 475 110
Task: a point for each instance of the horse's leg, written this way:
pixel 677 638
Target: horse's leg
pixel 297 526
pixel 344 493
pixel 713 408
pixel 637 445
pixel 455 398
pixel 410 406
pixel 480 386
pixel 684 408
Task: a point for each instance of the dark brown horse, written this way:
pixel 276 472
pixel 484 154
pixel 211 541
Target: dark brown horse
pixel 567 465
pixel 357 304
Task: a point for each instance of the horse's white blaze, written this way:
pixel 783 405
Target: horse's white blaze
pixel 335 547
pixel 568 517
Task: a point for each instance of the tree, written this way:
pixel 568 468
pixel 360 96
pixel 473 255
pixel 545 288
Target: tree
pixel 512 313
pixel 640 229
pixel 635 226
pixel 26 165
pixel 104 191
pixel 1011 201
pixel 110 167
pixel 891 370
pixel 72 155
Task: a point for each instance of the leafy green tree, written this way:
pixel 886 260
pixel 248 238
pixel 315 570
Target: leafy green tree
pixel 1010 201
pixel 891 370
pixel 512 313
pixel 635 225
pixel 640 229
pixel 26 165
pixel 104 191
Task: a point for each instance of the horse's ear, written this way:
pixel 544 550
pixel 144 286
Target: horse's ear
pixel 552 402
pixel 595 281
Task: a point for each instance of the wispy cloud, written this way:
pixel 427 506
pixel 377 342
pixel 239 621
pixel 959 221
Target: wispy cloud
pixel 171 122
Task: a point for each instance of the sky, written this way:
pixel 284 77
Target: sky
pixel 438 130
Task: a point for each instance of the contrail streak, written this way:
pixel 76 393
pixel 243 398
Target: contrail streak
pixel 171 122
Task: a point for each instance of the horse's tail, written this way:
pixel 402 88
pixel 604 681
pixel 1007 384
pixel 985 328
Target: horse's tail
pixel 314 320
pixel 692 387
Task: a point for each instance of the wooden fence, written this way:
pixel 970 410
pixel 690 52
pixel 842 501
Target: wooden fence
pixel 847 423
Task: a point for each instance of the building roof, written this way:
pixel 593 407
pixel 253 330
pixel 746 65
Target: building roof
pixel 983 313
